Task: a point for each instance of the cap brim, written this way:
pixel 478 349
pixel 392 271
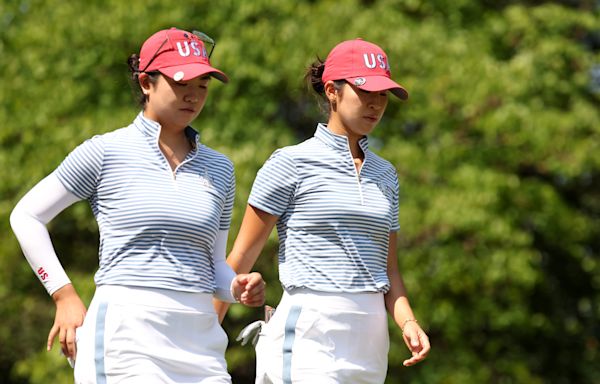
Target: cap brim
pixel 191 71
pixel 379 83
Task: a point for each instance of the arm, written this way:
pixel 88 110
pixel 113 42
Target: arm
pixel 224 275
pixel 28 221
pixel 254 232
pixel 248 289
pixel 396 302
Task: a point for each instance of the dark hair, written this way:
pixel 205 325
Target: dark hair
pixel 133 63
pixel 314 80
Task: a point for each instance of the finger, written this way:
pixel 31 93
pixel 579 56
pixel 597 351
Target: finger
pixel 252 301
pixel 51 337
pixel 257 300
pixel 74 356
pixel 252 281
pixel 420 353
pixel 62 338
pixel 256 290
pixel 253 291
pixel 412 361
pixel 417 356
pixel 425 346
pixel 414 342
pixel 408 340
pixel 255 278
pixel 70 341
pixel 240 281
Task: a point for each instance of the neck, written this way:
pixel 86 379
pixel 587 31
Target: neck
pixel 337 127
pixel 175 146
pixel 172 138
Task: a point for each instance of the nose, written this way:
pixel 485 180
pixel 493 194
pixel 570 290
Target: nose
pixel 191 97
pixel 378 100
pixel 376 106
pixel 376 103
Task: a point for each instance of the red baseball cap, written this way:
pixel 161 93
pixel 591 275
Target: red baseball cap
pixel 178 54
pixel 362 64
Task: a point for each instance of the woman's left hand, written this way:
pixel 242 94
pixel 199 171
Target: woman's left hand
pixel 249 289
pixel 417 342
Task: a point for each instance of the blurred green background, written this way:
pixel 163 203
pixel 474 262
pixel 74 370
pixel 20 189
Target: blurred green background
pixel 497 149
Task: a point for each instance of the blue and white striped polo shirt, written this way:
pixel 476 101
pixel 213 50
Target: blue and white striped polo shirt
pixel 157 227
pixel 334 222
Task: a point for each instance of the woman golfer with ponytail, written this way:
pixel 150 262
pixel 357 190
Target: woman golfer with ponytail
pixel 335 205
pixel 163 202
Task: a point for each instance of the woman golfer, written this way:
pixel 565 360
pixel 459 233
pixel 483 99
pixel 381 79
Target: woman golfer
pixel 335 205
pixel 163 203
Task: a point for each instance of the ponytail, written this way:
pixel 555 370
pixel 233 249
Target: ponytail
pixel 133 63
pixel 314 79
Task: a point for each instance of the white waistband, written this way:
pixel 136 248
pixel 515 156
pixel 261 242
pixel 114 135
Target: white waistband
pixel 371 302
pixel 155 297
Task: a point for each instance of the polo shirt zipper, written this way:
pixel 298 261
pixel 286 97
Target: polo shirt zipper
pixel 357 173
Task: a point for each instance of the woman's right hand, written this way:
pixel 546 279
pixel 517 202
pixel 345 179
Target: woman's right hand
pixel 70 313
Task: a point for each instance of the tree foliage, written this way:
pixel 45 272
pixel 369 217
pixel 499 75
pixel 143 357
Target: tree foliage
pixel 497 149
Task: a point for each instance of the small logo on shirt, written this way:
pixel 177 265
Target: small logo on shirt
pixel 387 190
pixel 206 180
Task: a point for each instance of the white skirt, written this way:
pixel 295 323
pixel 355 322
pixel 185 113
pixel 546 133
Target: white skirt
pixel 317 337
pixel 147 335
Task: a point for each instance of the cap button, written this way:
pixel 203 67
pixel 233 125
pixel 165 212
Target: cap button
pixel 178 76
pixel 360 81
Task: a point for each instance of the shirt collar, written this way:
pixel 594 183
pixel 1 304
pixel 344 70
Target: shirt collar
pixel 151 128
pixel 338 142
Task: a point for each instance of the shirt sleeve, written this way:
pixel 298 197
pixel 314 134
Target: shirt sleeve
pixel 28 221
pixel 275 184
pixel 228 207
pixel 395 227
pixel 80 171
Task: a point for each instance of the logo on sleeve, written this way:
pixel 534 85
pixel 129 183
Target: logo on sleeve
pixel 42 273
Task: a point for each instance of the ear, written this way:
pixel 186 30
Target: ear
pixel 330 91
pixel 144 81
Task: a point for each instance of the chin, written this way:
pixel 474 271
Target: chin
pixel 366 131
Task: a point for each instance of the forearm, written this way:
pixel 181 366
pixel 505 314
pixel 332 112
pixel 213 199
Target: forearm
pixel 254 232
pixel 237 263
pixel 397 304
pixel 224 275
pixel 396 299
pixel 28 221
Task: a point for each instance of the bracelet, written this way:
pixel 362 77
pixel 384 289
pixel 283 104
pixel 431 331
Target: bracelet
pixel 406 321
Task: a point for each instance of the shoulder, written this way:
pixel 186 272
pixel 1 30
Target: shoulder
pixel 381 162
pixel 383 167
pixel 215 157
pixel 296 152
pixel 121 133
pixel 116 136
